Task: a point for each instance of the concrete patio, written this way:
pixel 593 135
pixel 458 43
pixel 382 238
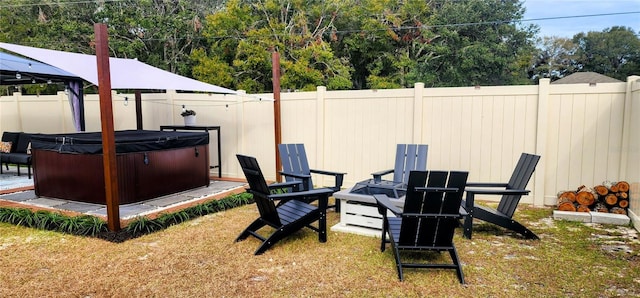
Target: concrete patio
pixel 16 189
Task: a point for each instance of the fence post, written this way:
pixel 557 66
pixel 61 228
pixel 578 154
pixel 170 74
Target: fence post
pixel 320 127
pixel 626 126
pixel 239 125
pixel 542 132
pixel 171 97
pixel 18 96
pixel 418 90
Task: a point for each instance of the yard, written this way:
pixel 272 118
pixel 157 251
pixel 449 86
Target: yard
pixel 200 258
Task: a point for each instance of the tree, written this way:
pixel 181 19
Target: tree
pixel 555 59
pixel 162 33
pixel 384 41
pixel 614 52
pixel 244 34
pixel 478 42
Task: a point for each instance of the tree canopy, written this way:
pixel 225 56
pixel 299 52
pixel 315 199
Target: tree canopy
pixel 614 52
pixel 347 44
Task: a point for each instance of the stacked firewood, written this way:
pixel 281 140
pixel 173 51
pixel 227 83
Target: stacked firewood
pixel 608 197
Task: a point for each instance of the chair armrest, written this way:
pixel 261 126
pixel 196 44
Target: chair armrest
pixel 293 184
pixel 339 177
pixel 323 172
pixel 385 203
pixel 307 193
pixel 294 175
pixel 471 192
pixel 487 184
pixel 481 191
pixel 377 176
pixel 303 182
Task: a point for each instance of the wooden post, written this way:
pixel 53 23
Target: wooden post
pixel 138 110
pixel 108 135
pixel 275 62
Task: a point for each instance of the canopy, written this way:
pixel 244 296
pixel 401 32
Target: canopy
pixel 16 70
pixel 125 73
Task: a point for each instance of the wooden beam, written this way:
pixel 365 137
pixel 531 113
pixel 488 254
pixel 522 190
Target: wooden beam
pixel 275 61
pixel 108 134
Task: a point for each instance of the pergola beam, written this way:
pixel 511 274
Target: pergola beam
pixel 108 134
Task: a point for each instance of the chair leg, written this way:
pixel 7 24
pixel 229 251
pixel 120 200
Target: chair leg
pixel 385 230
pixel 468 219
pixel 505 222
pixel 18 166
pixel 468 225
pixel 29 171
pixel 271 240
pixel 456 261
pixel 396 255
pixel 251 229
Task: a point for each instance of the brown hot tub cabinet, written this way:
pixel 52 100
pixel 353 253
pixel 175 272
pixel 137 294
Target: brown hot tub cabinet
pixel 149 164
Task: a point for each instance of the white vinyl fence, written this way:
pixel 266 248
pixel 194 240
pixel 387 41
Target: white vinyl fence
pixel 585 133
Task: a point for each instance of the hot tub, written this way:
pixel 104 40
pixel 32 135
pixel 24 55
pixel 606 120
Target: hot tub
pixel 150 164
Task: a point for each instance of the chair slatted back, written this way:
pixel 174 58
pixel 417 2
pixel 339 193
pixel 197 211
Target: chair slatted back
pixel 259 188
pixel 427 232
pixel 519 180
pixel 294 160
pixel 409 157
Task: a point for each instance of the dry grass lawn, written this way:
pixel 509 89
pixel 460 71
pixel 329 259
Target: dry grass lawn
pixel 200 258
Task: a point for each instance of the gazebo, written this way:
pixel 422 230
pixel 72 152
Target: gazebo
pixel 15 70
pixel 74 68
pixel 110 73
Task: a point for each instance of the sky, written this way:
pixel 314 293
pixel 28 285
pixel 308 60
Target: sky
pixel 567 27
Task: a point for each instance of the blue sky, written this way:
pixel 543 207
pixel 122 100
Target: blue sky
pixel 567 27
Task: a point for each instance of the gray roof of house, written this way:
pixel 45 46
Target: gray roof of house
pixel 586 77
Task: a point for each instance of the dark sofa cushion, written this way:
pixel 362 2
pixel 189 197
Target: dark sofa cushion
pixel 19 158
pixel 23 143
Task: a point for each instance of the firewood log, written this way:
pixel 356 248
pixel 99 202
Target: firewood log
pixel 623 203
pixel 566 196
pixel 601 190
pixel 567 206
pixel 611 199
pixel 623 186
pixel 583 208
pixel 622 195
pixel 585 196
pixel 601 207
pixel 618 210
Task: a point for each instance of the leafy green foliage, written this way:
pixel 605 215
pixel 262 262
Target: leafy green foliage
pixel 45 220
pixel 143 225
pixel 614 52
pixel 555 59
pixel 86 225
pixel 340 44
pixel 489 51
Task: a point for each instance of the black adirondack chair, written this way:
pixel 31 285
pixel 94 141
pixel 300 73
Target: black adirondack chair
pixel 409 157
pixel 428 219
pixel 288 217
pixel 511 193
pixel 295 168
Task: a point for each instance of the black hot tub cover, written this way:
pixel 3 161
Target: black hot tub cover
pixel 125 141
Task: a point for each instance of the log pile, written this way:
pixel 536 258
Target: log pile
pixel 608 197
